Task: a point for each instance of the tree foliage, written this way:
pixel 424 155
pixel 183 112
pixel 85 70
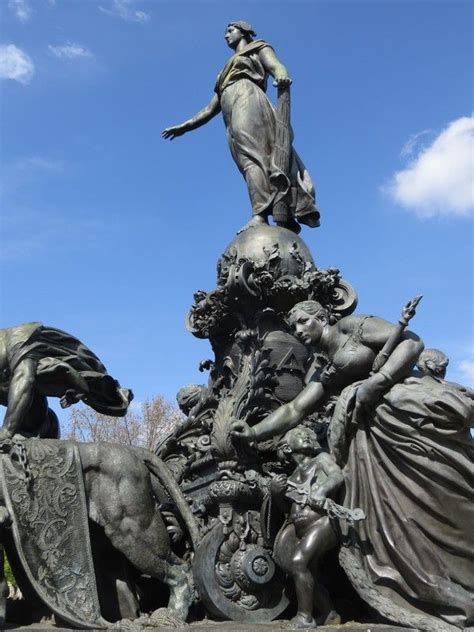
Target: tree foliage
pixel 145 425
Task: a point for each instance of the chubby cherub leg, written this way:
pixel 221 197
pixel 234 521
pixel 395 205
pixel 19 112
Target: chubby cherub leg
pixel 319 539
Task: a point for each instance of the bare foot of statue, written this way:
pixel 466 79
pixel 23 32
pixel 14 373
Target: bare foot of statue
pixel 301 622
pixel 333 618
pixel 257 220
pixel 164 617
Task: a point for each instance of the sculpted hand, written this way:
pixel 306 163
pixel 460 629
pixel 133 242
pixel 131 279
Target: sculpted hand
pixel 243 431
pixel 317 500
pixel 279 484
pixel 282 81
pixel 174 131
pixel 369 393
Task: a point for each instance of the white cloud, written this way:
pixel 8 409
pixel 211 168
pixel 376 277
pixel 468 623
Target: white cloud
pixel 15 64
pixel 126 10
pixel 21 9
pixel 70 51
pixel 440 180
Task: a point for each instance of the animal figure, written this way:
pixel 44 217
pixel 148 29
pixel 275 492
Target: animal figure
pixel 122 487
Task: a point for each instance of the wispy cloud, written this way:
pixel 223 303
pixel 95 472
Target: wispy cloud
pixel 126 10
pixel 25 171
pixel 29 234
pixel 21 9
pixel 70 51
pixel 15 64
pixel 461 365
pixel 413 143
pixel 439 180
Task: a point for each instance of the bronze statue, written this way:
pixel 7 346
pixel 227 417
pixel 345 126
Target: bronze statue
pixel 38 361
pixel 402 439
pixel 315 478
pixel 351 346
pixel 251 126
pixel 122 488
pixel 433 362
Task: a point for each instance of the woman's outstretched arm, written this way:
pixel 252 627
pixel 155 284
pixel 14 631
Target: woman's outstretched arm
pixel 284 418
pixel 201 118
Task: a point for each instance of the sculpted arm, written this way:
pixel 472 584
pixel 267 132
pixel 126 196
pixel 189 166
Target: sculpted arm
pixel 397 366
pixel 20 395
pixel 333 481
pixel 274 67
pixel 403 358
pixel 201 118
pixel 284 418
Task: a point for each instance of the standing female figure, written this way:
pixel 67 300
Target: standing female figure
pixel 250 122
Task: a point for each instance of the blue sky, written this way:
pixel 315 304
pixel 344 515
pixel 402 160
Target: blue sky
pixel 108 230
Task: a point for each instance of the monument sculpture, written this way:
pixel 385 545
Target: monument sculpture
pixel 307 533
pixel 51 488
pixel 324 473
pixel 259 138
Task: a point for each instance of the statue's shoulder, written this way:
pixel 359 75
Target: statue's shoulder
pixel 22 331
pixel 255 47
pixel 17 336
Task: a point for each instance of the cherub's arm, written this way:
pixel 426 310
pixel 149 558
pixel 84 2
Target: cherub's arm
pixel 278 487
pixel 334 479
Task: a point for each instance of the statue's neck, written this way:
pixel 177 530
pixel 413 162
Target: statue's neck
pixel 241 45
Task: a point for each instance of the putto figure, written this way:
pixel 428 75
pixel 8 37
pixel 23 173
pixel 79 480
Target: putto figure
pixel 303 495
pixel 257 139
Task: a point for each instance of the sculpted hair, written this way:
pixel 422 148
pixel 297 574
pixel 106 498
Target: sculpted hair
pixel 188 396
pixel 313 308
pixel 245 27
pixel 283 447
pixel 432 355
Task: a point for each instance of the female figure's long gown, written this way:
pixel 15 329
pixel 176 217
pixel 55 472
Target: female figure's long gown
pixel 251 133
